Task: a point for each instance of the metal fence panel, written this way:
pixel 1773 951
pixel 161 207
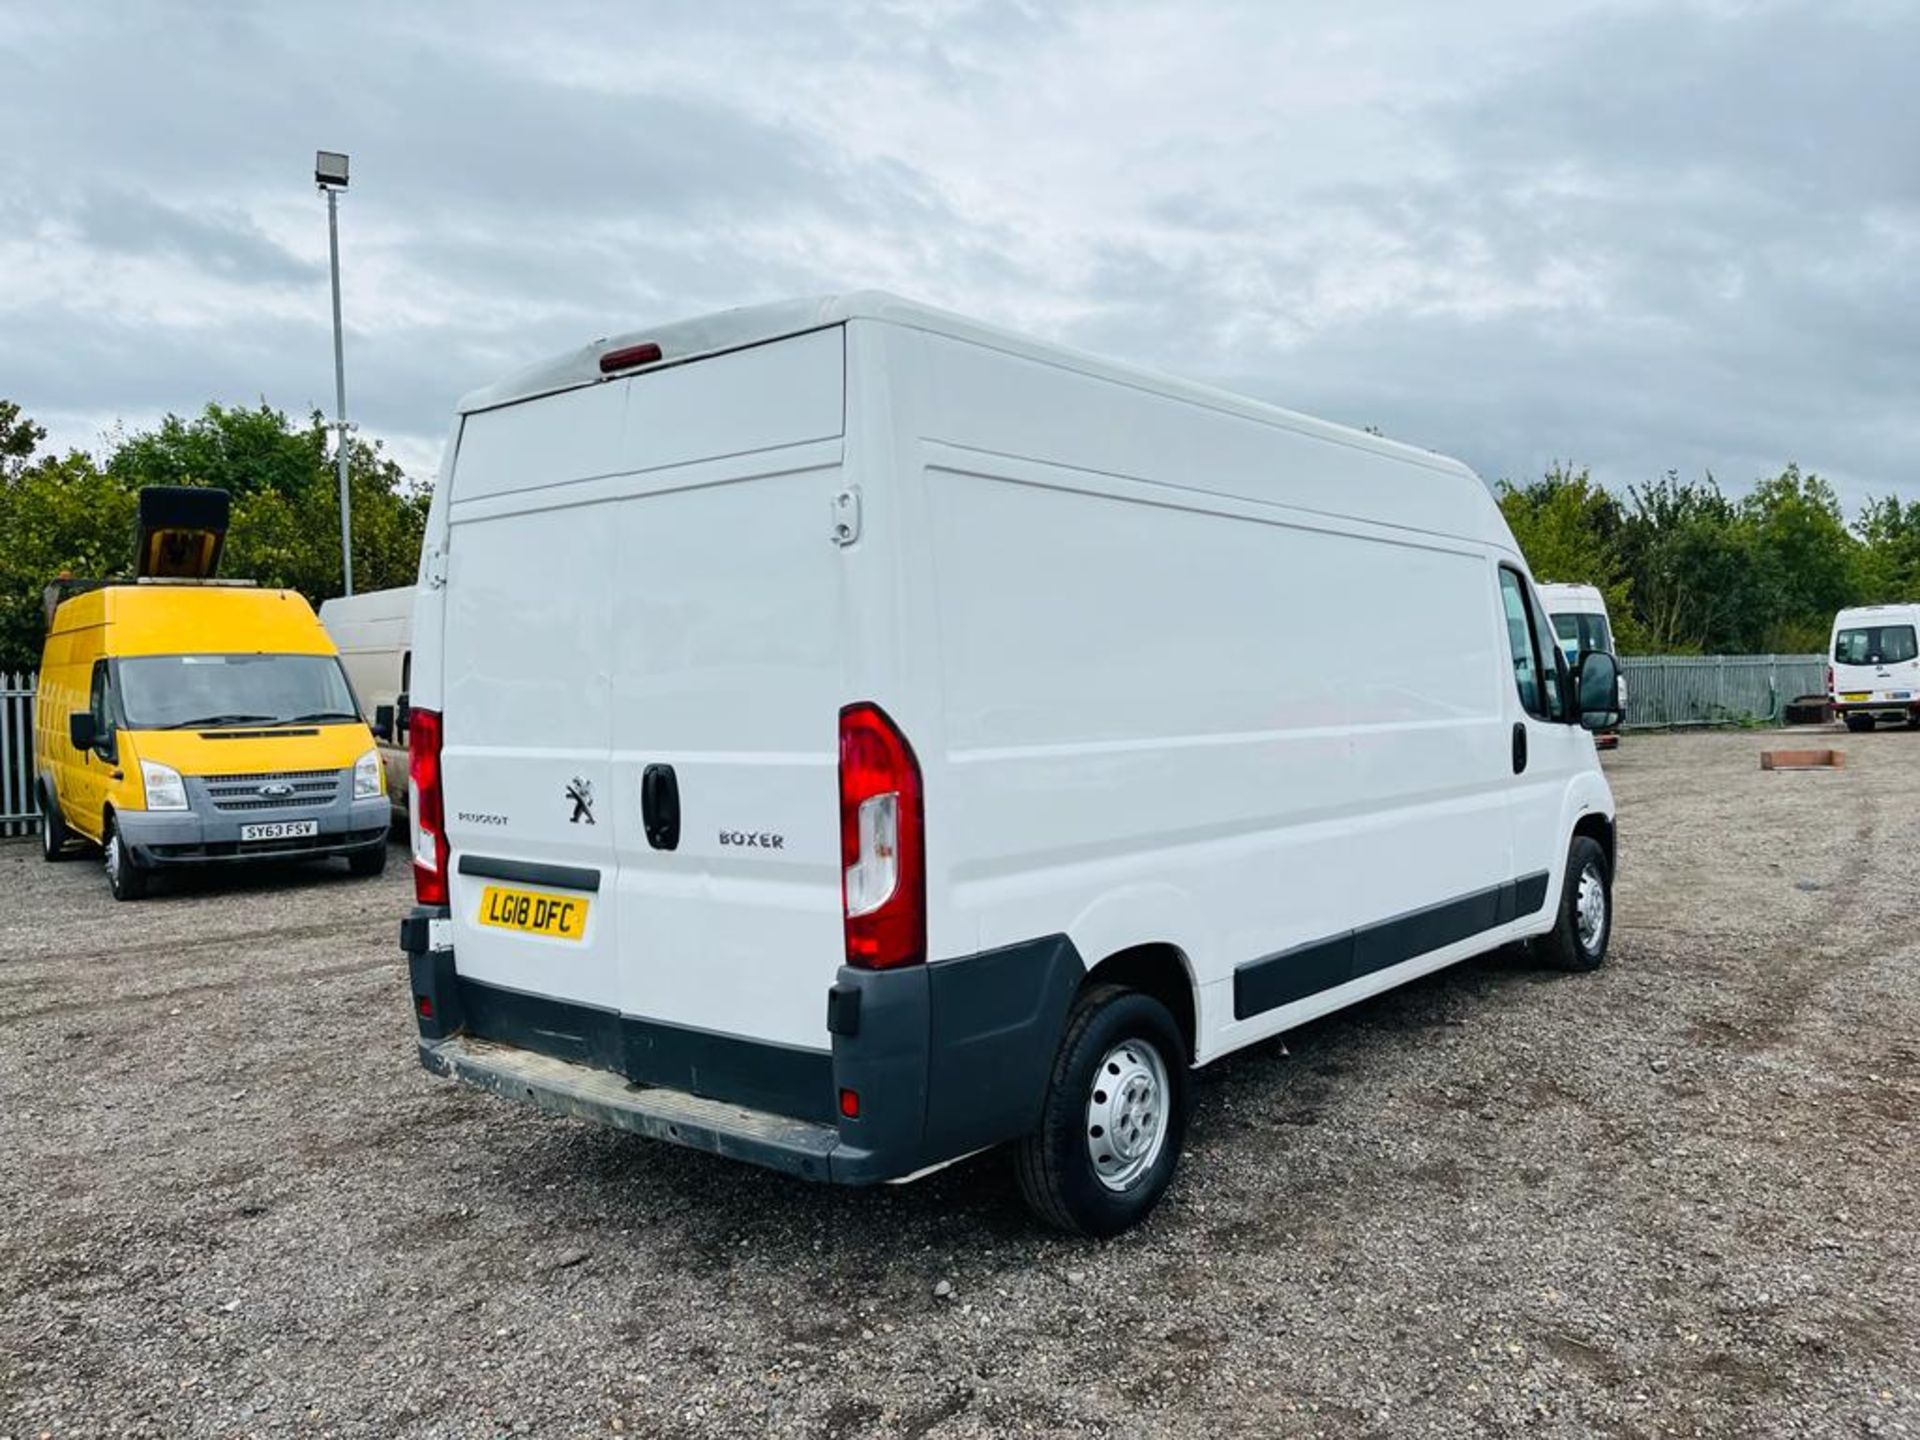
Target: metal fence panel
pixel 18 813
pixel 1665 690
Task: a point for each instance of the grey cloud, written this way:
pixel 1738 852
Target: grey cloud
pixel 1722 190
pixel 224 243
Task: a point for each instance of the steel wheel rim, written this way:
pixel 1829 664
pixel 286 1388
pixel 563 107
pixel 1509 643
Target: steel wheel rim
pixel 1590 909
pixel 1128 1108
pixel 113 856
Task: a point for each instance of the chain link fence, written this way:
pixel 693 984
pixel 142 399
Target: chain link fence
pixel 1668 690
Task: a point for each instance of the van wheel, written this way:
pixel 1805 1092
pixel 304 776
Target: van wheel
pixel 1114 1118
pixel 56 840
pixel 370 861
pixel 1859 724
pixel 126 878
pixel 1578 940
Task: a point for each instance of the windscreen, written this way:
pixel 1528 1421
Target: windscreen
pixel 181 692
pixel 1874 645
pixel 1583 634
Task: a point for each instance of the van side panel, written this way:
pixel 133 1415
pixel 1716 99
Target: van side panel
pixel 1308 734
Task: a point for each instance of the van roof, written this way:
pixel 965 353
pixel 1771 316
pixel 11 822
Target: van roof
pixel 1571 590
pixel 195 619
pixel 1868 611
pixel 684 340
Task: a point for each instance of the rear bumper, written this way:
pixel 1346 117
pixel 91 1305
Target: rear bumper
pixel 1906 709
pixel 562 1087
pixel 945 1059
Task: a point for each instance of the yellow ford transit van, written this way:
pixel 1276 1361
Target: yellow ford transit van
pixel 184 721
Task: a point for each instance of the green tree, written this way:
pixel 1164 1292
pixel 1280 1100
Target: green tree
pixel 1569 529
pixel 59 516
pixel 1890 541
pixel 286 509
pixel 76 516
pixel 18 438
pixel 1688 559
pixel 1806 563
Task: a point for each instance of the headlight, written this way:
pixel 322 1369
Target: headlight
pixel 165 789
pixel 368 780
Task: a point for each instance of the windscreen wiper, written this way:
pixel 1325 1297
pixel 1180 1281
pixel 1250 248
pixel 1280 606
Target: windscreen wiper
pixel 207 720
pixel 318 715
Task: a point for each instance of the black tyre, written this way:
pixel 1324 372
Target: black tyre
pixel 1578 940
pixel 126 878
pixel 1115 1116
pixel 370 861
pixel 56 840
pixel 1859 724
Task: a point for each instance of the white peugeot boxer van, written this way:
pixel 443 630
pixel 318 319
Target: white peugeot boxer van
pixel 1874 669
pixel 846 737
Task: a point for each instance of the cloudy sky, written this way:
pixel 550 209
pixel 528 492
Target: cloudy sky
pixel 1637 236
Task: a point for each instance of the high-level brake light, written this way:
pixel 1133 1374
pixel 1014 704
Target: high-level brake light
pixel 629 356
pixel 882 842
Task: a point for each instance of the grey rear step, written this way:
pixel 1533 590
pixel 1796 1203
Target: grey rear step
pixel 798 1147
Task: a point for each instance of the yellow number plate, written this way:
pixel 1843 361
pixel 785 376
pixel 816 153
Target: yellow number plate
pixel 534 912
pixel 1853 695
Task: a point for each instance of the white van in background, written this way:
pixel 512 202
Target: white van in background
pixel 1873 670
pixel 1580 621
pixel 846 737
pixel 374 633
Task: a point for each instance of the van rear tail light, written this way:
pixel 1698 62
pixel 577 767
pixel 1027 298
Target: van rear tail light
pixel 428 806
pixel 882 842
pixel 1829 679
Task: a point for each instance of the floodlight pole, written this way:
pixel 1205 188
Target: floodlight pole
pixel 340 425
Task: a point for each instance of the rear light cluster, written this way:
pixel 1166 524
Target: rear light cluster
pixel 1829 679
pixel 882 842
pixel 428 804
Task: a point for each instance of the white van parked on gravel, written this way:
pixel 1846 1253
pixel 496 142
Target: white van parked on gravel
pixel 1580 619
pixel 846 737
pixel 374 633
pixel 1873 670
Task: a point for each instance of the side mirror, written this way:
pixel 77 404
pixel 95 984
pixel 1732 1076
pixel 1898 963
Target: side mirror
pixel 402 709
pixel 383 723
pixel 1596 683
pixel 80 730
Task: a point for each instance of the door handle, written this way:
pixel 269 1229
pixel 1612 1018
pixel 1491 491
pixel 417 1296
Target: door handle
pixel 1519 746
pixel 660 806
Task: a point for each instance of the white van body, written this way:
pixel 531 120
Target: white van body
pixel 1874 665
pixel 1579 618
pixel 374 634
pixel 1581 622
pixel 1148 643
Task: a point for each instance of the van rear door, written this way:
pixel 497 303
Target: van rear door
pixel 642 579
pixel 527 708
pixel 728 678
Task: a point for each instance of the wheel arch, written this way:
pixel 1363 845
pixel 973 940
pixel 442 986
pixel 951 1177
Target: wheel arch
pixel 1600 829
pixel 1160 969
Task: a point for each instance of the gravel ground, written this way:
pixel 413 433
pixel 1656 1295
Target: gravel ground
pixel 1676 1197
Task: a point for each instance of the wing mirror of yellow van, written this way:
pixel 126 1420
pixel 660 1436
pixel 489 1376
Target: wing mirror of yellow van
pixel 80 730
pixel 383 723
